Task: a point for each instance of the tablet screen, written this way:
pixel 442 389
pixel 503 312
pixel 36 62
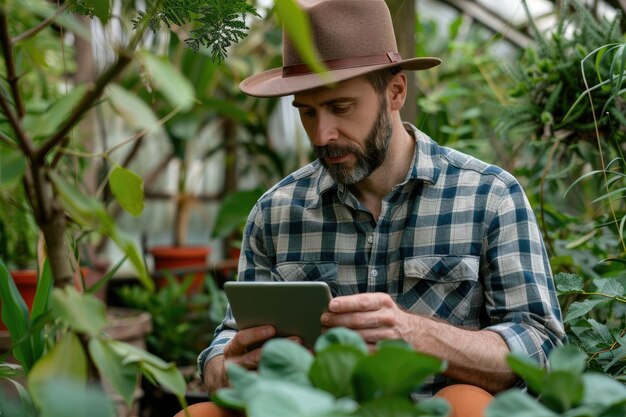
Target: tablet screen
pixel 293 308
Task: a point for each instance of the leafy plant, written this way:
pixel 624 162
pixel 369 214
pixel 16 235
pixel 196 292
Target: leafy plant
pixel 565 389
pixel 564 135
pixel 596 321
pixel 341 379
pixel 183 323
pixel 61 344
pixel 18 230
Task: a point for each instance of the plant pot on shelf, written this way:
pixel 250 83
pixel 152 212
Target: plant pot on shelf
pixel 179 258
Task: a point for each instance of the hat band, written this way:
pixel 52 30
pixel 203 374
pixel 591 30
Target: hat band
pixel 342 63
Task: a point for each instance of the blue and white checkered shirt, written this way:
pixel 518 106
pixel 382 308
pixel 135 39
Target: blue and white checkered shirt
pixel 456 240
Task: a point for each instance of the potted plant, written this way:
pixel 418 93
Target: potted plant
pixel 184 323
pixel 37 133
pixel 18 243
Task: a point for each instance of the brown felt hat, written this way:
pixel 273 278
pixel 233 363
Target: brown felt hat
pixel 353 37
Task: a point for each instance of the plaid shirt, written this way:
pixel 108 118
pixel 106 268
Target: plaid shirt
pixel 456 240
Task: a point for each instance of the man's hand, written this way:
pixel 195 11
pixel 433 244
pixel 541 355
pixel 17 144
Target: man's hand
pixel 375 316
pixel 240 350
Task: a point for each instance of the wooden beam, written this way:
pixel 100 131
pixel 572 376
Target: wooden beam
pixel 491 21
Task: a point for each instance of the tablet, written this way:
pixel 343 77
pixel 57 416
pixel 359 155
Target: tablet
pixel 293 308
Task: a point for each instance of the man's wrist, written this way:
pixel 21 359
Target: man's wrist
pixel 215 374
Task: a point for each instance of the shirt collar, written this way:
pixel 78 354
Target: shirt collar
pixel 426 163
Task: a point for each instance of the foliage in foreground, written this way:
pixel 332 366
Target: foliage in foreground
pixel 62 347
pixel 564 390
pixel 341 379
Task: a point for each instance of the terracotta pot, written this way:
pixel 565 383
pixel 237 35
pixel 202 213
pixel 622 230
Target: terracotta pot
pixel 181 257
pixel 26 282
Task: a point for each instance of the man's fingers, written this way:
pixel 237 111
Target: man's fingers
pixel 359 302
pixel 240 344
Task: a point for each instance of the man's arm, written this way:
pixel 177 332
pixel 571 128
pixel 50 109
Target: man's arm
pixel 476 357
pixel 236 351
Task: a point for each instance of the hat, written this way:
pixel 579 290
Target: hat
pixel 353 37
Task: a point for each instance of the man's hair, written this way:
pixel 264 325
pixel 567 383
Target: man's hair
pixel 380 79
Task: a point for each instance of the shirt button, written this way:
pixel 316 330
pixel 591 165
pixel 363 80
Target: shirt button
pixel 374 273
pixel 370 239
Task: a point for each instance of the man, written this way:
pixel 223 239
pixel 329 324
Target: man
pixel 417 241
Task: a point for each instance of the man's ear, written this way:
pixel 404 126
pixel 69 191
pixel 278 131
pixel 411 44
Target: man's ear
pixel 397 91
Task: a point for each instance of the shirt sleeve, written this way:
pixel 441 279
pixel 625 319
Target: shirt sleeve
pixel 520 296
pixel 254 265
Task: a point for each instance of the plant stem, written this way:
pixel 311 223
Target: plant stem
pixel 41 26
pixel 12 78
pixel 90 97
pixel 22 139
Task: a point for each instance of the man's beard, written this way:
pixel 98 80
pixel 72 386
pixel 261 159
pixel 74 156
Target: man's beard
pixel 376 145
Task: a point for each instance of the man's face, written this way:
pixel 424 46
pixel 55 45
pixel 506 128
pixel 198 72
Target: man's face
pixel 349 127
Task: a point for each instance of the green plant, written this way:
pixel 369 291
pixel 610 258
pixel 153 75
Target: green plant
pixel 563 390
pixel 595 321
pixel 18 230
pixel 563 135
pixel 341 379
pixel 61 346
pixel 183 323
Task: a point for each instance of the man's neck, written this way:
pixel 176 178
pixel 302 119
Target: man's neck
pixel 392 172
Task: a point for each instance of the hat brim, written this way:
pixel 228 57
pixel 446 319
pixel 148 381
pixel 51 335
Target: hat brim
pixel 272 84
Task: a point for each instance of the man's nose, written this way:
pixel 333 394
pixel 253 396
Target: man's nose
pixel 325 130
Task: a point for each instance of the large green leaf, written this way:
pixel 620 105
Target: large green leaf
pixel 609 286
pixel 340 336
pixel 14 315
pixel 562 390
pixel 66 360
pixel 298 26
pixel 121 375
pixel 127 188
pixel 243 384
pixel 275 398
pixel 568 283
pixel 393 371
pixel 67 20
pixel 394 407
pixel 49 121
pixel 601 390
pixel 12 165
pixel 89 212
pixel 579 309
pixel 132 109
pixel 568 358
pixel 153 367
pixel 529 370
pixel 333 367
pixel 166 78
pixel 285 360
pixel 63 397
pixel 515 403
pixel 83 313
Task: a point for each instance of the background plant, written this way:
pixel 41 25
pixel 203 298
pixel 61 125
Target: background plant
pixel 563 390
pixel 566 137
pixel 183 323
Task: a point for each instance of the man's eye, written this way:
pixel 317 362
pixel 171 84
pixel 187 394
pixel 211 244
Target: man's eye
pixel 307 113
pixel 341 109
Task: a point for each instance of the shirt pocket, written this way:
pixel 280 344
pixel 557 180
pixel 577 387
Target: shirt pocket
pixel 308 271
pixel 446 286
